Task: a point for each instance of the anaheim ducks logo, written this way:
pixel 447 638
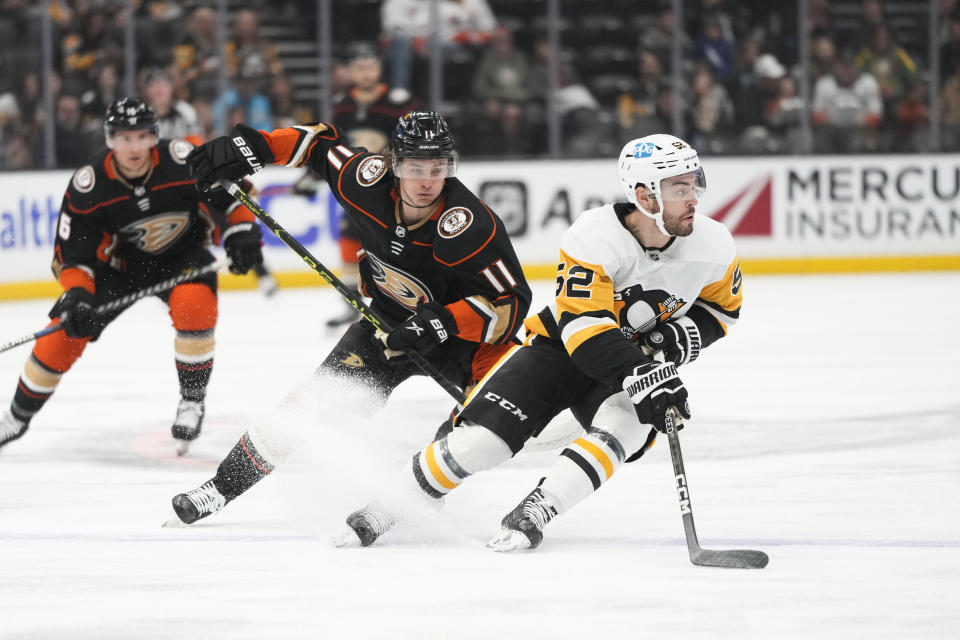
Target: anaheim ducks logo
pixel 371 170
pixel 157 233
pixel 353 360
pixel 399 285
pixel 454 221
pixel 640 310
pixel 179 150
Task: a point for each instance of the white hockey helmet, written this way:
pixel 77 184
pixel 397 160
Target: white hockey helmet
pixel 648 160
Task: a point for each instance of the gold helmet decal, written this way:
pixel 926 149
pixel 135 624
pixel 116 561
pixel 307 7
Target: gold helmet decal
pixel 157 233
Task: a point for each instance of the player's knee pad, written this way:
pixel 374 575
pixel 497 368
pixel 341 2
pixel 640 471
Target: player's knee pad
pixel 58 351
pixel 193 307
pixel 476 448
pixel 617 418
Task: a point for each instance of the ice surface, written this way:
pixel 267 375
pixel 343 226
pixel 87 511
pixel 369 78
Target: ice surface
pixel 825 433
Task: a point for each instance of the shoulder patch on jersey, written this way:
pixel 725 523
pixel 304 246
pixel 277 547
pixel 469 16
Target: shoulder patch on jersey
pixel 179 150
pixel 370 170
pixel 84 179
pixel 454 221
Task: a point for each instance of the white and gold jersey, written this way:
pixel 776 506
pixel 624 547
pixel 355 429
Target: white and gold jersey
pixel 610 288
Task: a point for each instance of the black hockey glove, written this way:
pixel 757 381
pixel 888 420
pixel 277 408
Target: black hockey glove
pixel 678 339
pixel 306 185
pixel 242 244
pixel 427 329
pixel 231 157
pixel 77 315
pixel 654 387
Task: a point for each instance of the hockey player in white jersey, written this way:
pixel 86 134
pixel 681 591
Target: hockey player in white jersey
pixel 648 275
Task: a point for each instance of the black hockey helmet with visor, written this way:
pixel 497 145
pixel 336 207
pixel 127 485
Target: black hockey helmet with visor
pixel 128 114
pixel 422 135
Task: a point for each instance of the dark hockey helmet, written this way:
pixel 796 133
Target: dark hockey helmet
pixel 423 134
pixel 129 114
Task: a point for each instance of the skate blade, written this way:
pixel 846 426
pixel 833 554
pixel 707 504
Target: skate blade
pixel 347 540
pixel 509 540
pixel 183 446
pixel 174 522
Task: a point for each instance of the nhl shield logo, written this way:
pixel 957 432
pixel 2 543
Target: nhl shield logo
pixel 454 221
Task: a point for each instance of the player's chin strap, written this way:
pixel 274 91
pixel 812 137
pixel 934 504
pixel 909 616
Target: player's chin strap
pixel 234 190
pixel 130 298
pixel 417 206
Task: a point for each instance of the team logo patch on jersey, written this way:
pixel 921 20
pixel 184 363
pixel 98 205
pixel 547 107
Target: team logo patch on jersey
pixel 84 179
pixel 642 310
pixel 157 233
pixel 454 221
pixel 371 170
pixel 179 150
pixel 396 283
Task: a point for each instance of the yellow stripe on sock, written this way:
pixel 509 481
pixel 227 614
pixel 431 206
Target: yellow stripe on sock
pixel 438 474
pixel 598 454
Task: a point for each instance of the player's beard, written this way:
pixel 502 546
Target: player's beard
pixel 679 227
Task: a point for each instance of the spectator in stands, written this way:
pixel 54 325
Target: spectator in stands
pixel 245 98
pixel 892 67
pixel 716 49
pixel 501 85
pixel 197 57
pixel 950 112
pixel 950 50
pixel 753 104
pixel 287 112
pixel 847 109
pixel 406 29
pixel 246 42
pixel 871 18
pixel 638 113
pixel 912 120
pixel 86 47
pixel 785 117
pixel 71 144
pixel 711 112
pixel 658 38
pixel 175 118
pixel 743 82
pixel 822 54
pixel 95 100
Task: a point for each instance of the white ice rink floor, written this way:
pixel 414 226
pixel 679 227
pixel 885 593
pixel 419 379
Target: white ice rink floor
pixel 826 432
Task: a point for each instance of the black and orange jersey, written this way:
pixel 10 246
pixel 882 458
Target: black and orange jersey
pixel 370 124
pixel 108 219
pixel 460 257
pixel 610 288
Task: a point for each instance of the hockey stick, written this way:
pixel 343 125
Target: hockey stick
pixel 130 298
pixel 728 558
pixel 234 190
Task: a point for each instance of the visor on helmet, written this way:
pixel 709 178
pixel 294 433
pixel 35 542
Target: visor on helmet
pixel 425 168
pixel 684 186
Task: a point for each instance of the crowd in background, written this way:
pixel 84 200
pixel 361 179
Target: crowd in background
pixel 740 71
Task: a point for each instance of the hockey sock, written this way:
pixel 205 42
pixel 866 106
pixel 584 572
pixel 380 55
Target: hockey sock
pixel 443 465
pixel 194 356
pixel 241 469
pixel 582 468
pixel 52 356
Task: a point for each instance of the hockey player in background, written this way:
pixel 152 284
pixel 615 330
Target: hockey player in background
pixel 649 273
pixel 435 260
pixel 366 117
pixel 130 219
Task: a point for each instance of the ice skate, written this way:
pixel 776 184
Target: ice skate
pixel 11 428
pixel 522 528
pixel 186 427
pixel 267 284
pixel 366 525
pixel 198 503
pixel 348 316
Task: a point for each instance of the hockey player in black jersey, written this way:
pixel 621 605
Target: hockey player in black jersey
pixel 130 219
pixel 435 260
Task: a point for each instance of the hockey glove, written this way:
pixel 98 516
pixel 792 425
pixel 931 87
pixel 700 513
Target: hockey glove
pixel 306 185
pixel 654 387
pixel 678 339
pixel 428 328
pixel 77 315
pixel 231 157
pixel 242 244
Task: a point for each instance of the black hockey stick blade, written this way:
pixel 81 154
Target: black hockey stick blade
pixel 730 558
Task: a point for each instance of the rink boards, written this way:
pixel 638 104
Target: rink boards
pixel 789 215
